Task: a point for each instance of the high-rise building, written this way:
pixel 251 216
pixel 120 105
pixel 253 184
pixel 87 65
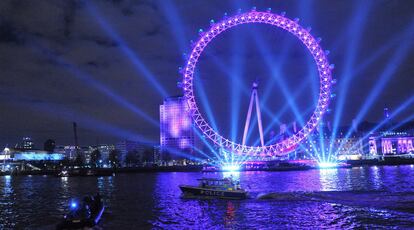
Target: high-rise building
pixel 126 146
pixel 26 144
pixel 105 150
pixel 176 128
pixel 69 151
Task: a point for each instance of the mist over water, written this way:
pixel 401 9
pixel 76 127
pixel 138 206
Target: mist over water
pixel 361 197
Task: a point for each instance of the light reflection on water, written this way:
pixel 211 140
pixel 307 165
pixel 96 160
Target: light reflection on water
pixel 361 197
pixel 329 179
pixel 376 179
pixel 234 175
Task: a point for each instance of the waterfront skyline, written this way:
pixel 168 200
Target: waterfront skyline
pixel 177 114
pixel 109 65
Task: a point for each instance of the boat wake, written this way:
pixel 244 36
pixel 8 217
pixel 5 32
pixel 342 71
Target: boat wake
pixel 399 201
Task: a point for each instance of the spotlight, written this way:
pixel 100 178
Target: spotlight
pixel 230 167
pixel 325 165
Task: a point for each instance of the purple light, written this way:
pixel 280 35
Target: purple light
pixel 184 143
pixel 176 124
pixel 399 145
pixel 292 26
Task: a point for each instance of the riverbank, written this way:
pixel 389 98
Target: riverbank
pixel 199 168
pixel 384 161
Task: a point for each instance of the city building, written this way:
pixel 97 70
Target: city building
pixel 26 144
pixel 342 147
pixel 157 153
pixel 105 150
pixel 348 148
pixel 69 151
pixel 176 129
pixel 25 151
pixel 391 144
pixel 126 146
pixel 143 152
pixel 36 155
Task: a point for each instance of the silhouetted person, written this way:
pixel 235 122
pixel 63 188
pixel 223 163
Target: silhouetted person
pixel 98 199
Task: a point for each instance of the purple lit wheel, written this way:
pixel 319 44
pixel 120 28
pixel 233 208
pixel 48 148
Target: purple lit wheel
pixel 312 44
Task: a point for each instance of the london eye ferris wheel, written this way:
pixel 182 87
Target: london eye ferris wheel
pixel 324 68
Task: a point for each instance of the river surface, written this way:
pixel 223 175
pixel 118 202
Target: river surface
pixel 361 197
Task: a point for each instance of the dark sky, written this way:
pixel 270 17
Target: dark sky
pixel 108 64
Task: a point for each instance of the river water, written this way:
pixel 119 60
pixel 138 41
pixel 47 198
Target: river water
pixel 359 197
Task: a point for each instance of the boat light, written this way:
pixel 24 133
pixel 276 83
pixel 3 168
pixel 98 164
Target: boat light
pixel 73 205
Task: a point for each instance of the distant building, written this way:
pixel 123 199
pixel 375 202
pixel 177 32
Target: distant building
pixel 26 144
pixel 348 148
pixel 69 151
pixel 176 129
pixel 157 153
pixel 283 129
pixel 343 148
pixel 25 151
pixel 391 143
pixel 126 146
pixel 49 145
pixel 86 153
pixel 36 155
pixel 105 150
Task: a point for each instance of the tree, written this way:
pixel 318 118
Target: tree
pixel 114 158
pixel 95 157
pixel 166 156
pixel 131 158
pixel 79 160
pixel 49 145
pixel 65 162
pixel 148 155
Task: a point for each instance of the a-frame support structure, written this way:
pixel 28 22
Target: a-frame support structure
pixel 254 98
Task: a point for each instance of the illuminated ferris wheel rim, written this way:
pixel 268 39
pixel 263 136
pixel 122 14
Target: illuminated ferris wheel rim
pixel 285 146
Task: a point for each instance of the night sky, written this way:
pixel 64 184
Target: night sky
pixel 108 64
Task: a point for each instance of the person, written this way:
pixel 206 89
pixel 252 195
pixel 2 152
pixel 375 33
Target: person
pixel 84 211
pixel 98 197
pixel 98 200
pixel 87 201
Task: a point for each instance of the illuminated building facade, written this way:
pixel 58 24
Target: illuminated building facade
pixel 69 151
pixel 37 155
pixel 391 143
pixel 176 128
pixel 342 147
pixel 348 148
pixel 126 146
pixel 26 144
pixel 105 150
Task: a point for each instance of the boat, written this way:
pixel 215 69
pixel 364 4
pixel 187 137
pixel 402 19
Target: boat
pixel 210 168
pixel 84 172
pixel 226 188
pixel 86 215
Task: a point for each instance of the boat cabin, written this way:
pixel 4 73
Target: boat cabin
pixel 222 184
